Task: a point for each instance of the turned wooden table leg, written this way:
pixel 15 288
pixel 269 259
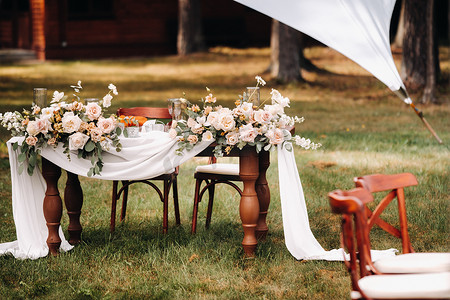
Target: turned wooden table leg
pixel 263 192
pixel 73 198
pixel 249 205
pixel 52 204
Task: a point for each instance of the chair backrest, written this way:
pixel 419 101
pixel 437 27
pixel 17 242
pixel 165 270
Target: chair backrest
pixel 148 112
pixel 355 231
pixel 394 185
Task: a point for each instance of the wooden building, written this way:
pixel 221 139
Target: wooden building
pixel 74 29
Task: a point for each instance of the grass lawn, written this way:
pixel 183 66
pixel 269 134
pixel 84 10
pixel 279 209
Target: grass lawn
pixel 363 127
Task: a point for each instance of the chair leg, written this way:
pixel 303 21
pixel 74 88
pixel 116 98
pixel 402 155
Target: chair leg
pixel 166 206
pixel 406 243
pixel 112 225
pixel 175 200
pixel 198 183
pixel 124 200
pixel 210 204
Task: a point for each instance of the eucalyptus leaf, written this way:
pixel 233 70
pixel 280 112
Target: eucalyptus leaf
pixel 15 146
pixel 89 146
pixel 22 157
pixel 33 159
pixel 21 167
pixel 91 170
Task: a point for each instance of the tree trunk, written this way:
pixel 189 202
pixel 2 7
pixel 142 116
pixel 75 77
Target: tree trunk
pixel 398 40
pixel 285 58
pixel 420 64
pixel 190 38
pixel 431 72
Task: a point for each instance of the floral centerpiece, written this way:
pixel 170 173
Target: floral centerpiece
pixel 67 121
pixel 263 126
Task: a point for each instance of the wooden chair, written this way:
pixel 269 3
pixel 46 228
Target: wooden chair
pixel 367 281
pixel 212 174
pixel 394 185
pixel 169 179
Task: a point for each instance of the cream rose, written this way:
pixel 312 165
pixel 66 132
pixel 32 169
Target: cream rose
pixel 226 122
pixel 192 139
pixel 232 138
pixel 32 128
pixel 70 122
pixel 31 140
pixel 96 134
pixel 106 124
pixel 77 141
pixel 93 111
pixel 47 113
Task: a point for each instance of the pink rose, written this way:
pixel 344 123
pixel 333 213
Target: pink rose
pixel 232 138
pixel 276 136
pixel 248 133
pixel 93 111
pixel 106 125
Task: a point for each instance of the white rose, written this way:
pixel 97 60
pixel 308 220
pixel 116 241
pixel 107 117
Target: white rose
pixel 77 141
pixel 32 128
pixel 191 123
pixel 70 122
pixel 207 136
pixel 93 111
pixel 226 122
pixel 247 108
pixel 212 119
pixel 106 125
pixel 232 138
pixel 57 96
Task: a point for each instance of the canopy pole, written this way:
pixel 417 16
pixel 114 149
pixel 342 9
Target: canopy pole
pixel 403 94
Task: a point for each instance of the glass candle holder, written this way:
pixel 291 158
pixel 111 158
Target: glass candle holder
pixel 252 95
pixel 40 97
pixel 91 100
pixel 175 108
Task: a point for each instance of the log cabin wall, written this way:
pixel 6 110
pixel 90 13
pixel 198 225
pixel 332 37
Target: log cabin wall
pixel 76 29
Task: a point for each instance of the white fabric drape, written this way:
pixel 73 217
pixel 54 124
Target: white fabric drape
pixel 145 157
pixel 359 29
pixel 298 237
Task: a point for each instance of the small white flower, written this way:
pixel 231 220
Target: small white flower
pixel 113 88
pixel 260 81
pixel 57 96
pixel 107 100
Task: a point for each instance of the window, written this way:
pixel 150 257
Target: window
pixel 90 9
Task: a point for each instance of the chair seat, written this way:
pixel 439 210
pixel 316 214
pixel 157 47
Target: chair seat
pixel 415 263
pixel 223 169
pixel 407 286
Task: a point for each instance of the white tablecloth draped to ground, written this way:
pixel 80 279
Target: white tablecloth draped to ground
pixel 150 155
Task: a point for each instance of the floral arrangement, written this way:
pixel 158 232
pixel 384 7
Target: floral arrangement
pixel 263 126
pixel 77 126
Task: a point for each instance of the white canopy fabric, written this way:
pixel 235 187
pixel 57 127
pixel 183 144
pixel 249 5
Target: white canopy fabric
pixel 359 29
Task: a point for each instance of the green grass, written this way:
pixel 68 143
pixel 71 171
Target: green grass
pixel 363 127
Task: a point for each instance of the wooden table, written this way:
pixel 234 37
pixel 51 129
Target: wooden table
pixel 253 206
